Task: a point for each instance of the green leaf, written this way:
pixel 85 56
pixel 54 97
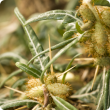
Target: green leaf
pixel 30 71
pixel 70 30
pixel 78 28
pixel 65 15
pixel 101 2
pixel 56 108
pixel 30 105
pixel 12 56
pixel 59 54
pixel 45 27
pixel 57 46
pixel 3 101
pixel 19 82
pixel 59 67
pixel 10 76
pixel 90 96
pixel 16 103
pixel 100 97
pixel 70 26
pixel 106 91
pixel 33 42
pixel 44 60
pixel 68 66
pixel 87 88
pixel 68 34
pixel 32 66
pixel 62 104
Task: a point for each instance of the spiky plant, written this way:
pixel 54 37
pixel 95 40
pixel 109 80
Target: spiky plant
pixel 43 88
pixel 93 33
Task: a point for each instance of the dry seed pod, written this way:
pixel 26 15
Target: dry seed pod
pixel 51 79
pixel 104 61
pixel 58 89
pixel 99 38
pixel 106 17
pixel 88 16
pixel 36 92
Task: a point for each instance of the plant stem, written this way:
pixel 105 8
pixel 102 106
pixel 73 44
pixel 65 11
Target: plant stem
pixel 50 54
pixel 96 72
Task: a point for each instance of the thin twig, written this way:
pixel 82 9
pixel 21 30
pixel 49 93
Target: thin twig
pixel 96 72
pixel 79 59
pixel 36 107
pixel 104 71
pixel 50 54
pixel 15 90
pixel 66 71
pixel 21 108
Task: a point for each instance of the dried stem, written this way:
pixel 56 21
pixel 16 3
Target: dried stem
pixel 46 96
pixel 96 72
pixel 37 107
pixel 68 69
pixel 78 59
pixel 22 108
pixel 15 90
pixel 50 54
pixel 104 71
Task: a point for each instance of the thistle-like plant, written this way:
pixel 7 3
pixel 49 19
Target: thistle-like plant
pixel 93 33
pixel 44 86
